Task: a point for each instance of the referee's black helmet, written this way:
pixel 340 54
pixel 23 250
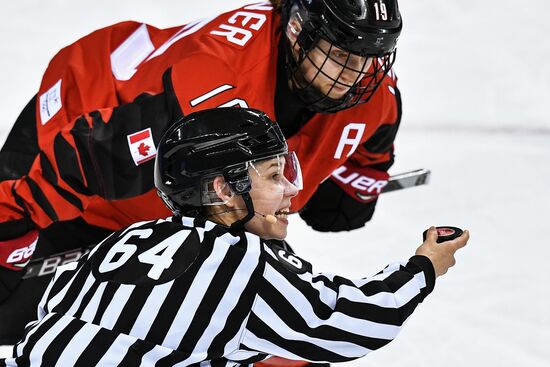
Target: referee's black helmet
pixel 211 143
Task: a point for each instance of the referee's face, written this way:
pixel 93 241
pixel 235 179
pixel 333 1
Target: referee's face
pixel 271 194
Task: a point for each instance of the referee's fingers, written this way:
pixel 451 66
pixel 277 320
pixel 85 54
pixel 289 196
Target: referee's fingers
pixel 459 242
pixel 432 235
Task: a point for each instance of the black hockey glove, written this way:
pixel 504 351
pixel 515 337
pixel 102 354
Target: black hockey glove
pixel 331 209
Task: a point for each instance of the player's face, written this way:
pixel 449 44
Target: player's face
pixel 271 194
pixel 332 70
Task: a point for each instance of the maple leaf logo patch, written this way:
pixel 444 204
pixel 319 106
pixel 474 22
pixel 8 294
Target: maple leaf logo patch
pixel 142 146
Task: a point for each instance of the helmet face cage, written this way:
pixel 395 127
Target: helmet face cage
pixel 353 78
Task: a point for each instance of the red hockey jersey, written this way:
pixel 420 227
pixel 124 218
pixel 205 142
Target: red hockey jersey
pixel 230 60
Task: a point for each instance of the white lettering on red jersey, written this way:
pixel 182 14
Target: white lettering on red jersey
pixel 345 139
pixel 241 26
pixel 131 53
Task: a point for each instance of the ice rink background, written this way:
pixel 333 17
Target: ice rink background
pixel 475 80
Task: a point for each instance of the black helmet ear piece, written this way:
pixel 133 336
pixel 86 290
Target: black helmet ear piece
pixel 238 179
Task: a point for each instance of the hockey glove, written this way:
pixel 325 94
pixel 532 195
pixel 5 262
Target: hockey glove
pixel 15 254
pixel 346 200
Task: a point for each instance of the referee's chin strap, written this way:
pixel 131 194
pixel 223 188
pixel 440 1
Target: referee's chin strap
pixel 239 225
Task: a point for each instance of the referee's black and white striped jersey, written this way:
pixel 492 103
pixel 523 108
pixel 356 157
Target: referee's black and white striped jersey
pixel 181 292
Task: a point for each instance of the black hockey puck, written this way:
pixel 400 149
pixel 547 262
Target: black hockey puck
pixel 445 233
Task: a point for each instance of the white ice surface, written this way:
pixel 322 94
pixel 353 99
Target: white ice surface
pixel 475 80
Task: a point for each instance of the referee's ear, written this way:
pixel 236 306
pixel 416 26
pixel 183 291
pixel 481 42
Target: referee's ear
pixel 223 191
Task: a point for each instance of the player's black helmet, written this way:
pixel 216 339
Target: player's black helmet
pixel 211 143
pixel 350 45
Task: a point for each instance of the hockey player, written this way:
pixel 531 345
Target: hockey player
pixel 322 68
pixel 203 287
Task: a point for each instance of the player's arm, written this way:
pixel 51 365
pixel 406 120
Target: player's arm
pixel 341 204
pixel 321 317
pixel 92 155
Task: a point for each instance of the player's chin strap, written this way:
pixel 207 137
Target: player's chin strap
pixel 239 225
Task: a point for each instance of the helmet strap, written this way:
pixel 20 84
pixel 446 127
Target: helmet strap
pixel 239 225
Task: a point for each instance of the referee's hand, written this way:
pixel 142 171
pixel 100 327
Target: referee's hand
pixel 441 254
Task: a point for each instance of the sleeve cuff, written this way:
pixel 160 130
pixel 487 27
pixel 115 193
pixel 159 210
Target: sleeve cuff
pixel 425 265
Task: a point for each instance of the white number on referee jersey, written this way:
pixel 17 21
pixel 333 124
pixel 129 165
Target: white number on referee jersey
pixel 125 249
pixel 160 256
pixel 292 260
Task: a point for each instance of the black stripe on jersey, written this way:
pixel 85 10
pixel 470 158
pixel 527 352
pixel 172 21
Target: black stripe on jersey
pixel 53 351
pixel 383 138
pixel 21 145
pixel 66 160
pixel 19 201
pixel 62 280
pixel 384 315
pixel 214 294
pixel 379 314
pixel 172 104
pixel 74 290
pixel 303 349
pixel 39 332
pixel 57 287
pixel 49 174
pixel 82 134
pixel 175 297
pixel 336 282
pixel 96 349
pixel 86 299
pixel 106 298
pixel 287 312
pixel 239 313
pixel 41 199
pixel 257 358
pixel 172 359
pixel 322 310
pixel 218 362
pixel 251 360
pixel 132 309
pixel 135 353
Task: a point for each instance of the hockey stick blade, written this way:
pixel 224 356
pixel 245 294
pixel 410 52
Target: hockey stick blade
pixel 403 180
pixel 408 179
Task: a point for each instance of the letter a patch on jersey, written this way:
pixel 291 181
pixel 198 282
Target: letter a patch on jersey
pixel 142 146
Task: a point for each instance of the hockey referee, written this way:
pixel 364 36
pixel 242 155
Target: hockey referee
pixel 205 287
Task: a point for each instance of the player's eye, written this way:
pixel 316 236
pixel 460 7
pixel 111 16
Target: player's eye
pixel 339 54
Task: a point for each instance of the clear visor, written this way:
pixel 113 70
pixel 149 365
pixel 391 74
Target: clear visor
pixel 279 174
pixel 283 170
